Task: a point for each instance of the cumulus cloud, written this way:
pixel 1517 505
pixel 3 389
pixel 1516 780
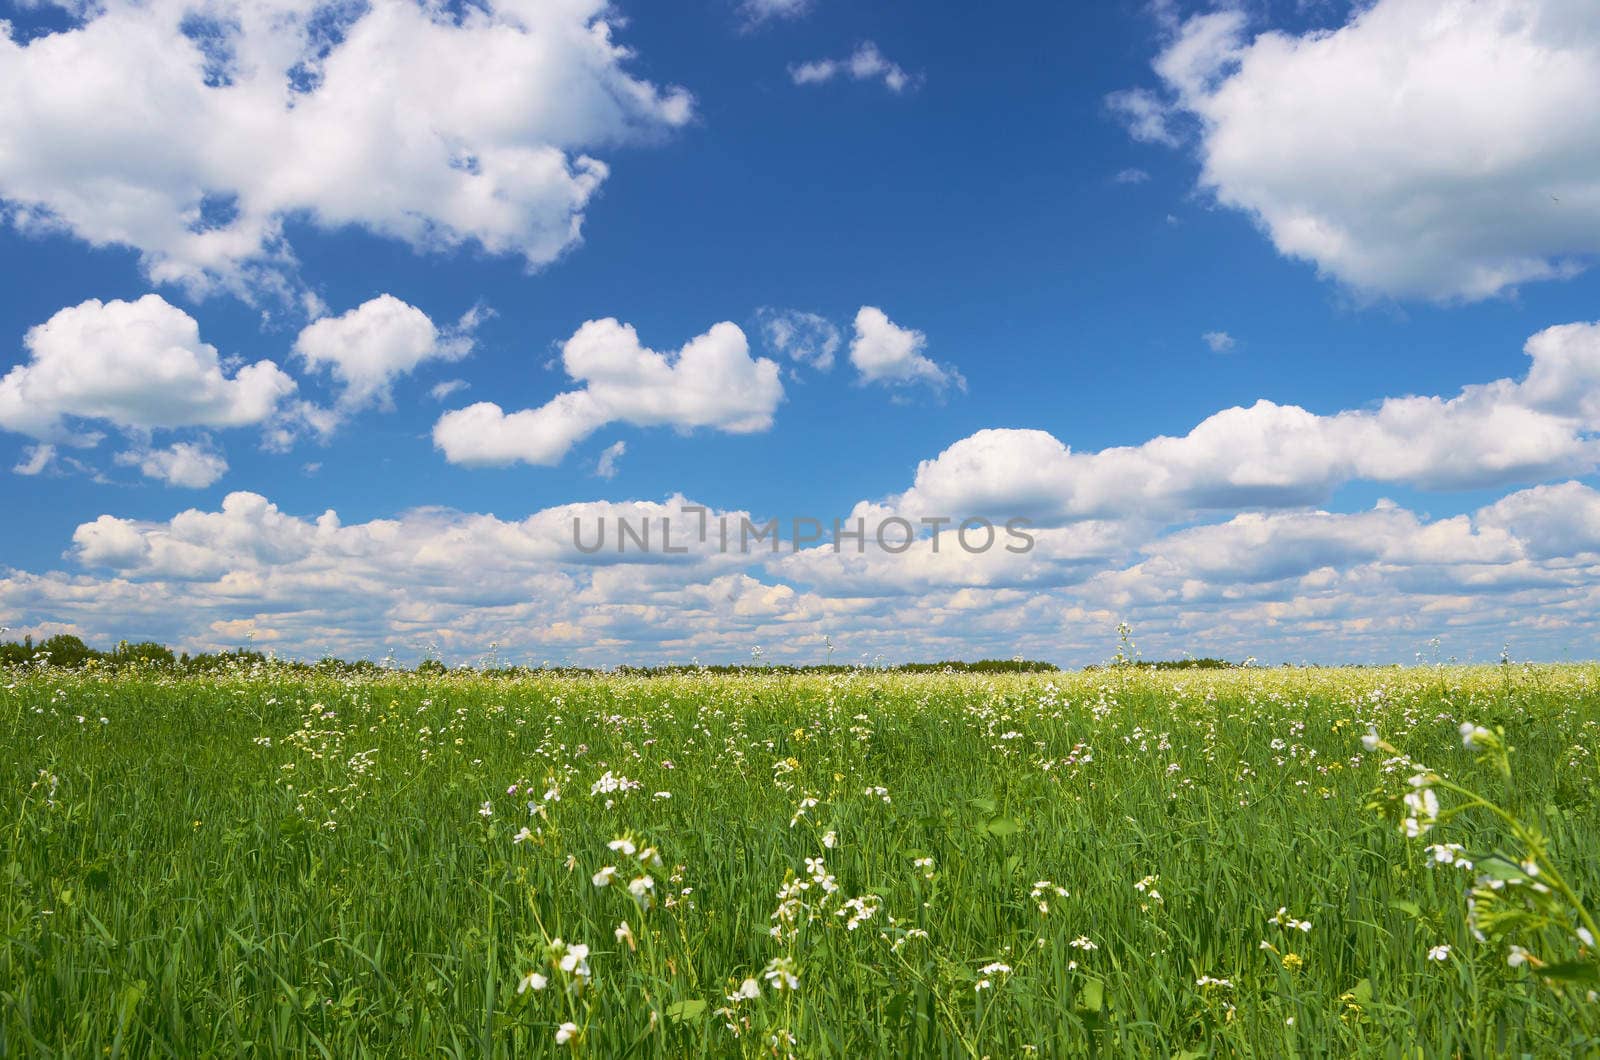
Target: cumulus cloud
pixel 809 338
pixel 441 391
pixel 933 551
pixel 194 465
pixel 1441 151
pixel 866 63
pixel 191 134
pixel 1490 434
pixel 135 365
pixel 1219 341
pixel 1132 175
pixel 250 533
pixel 712 382
pixel 424 576
pixel 1553 521
pixel 1362 585
pixel 1271 546
pixel 379 341
pixel 884 352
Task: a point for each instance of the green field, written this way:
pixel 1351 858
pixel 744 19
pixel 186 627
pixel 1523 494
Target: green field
pixel 1118 861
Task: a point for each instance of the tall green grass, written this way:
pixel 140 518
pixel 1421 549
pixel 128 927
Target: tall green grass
pixel 265 864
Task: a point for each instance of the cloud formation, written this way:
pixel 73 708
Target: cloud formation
pixel 191 134
pixel 133 365
pixel 712 382
pixel 606 466
pixel 1426 150
pixel 808 338
pixel 866 63
pixel 374 344
pixel 1285 584
pixel 194 465
pixel 884 352
pixel 1269 455
pixel 1213 542
pixel 756 12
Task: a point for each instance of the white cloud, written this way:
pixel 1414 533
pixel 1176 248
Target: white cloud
pixel 1144 114
pixel 35 459
pixel 809 338
pixel 371 346
pixel 134 365
pixel 946 556
pixel 1443 151
pixel 1554 521
pixel 712 382
pixel 1263 547
pixel 756 12
pixel 866 63
pixel 191 134
pixel 189 464
pixel 1373 584
pixel 1546 426
pixel 1131 176
pixel 606 467
pixel 441 391
pixel 884 352
pixel 1219 341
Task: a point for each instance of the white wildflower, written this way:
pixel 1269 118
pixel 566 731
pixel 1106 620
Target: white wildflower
pixel 780 974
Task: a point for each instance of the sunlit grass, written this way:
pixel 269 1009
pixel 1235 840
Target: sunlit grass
pixel 853 865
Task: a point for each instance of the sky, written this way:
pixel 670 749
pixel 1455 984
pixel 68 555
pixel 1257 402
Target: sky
pixel 1269 327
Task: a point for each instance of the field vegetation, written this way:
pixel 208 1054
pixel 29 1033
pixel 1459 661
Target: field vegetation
pixel 266 861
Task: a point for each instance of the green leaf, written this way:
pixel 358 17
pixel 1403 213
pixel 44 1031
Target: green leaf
pixel 1092 998
pixel 684 1011
pixel 1362 992
pixel 1003 826
pixel 1410 908
pixel 1572 972
pixel 984 805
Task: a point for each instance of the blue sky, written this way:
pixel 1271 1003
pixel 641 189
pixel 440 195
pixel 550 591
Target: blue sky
pixel 1062 204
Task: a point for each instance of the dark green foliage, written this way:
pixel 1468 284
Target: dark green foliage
pixel 64 650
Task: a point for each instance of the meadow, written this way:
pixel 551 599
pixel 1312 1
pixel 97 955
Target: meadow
pixel 1250 862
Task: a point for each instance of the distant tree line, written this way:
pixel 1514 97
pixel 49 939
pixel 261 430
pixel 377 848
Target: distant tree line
pixel 68 651
pixel 1174 664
